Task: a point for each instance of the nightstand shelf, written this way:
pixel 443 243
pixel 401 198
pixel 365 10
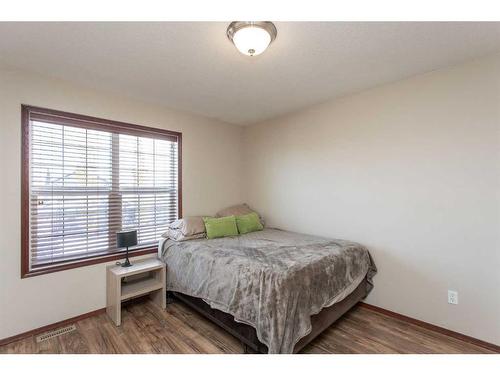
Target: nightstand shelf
pixel 123 283
pixel 139 287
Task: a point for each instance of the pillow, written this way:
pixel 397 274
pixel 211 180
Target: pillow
pixel 189 226
pixel 238 210
pixel 177 235
pixel 220 227
pixel 248 223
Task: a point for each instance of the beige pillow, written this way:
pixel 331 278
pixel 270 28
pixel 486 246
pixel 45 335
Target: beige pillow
pixel 189 226
pixel 237 210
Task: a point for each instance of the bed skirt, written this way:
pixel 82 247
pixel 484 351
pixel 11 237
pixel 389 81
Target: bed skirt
pixel 247 334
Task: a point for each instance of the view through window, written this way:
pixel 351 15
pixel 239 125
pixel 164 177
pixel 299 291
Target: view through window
pixel 88 181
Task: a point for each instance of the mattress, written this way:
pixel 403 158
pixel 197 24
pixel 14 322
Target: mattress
pixel 273 280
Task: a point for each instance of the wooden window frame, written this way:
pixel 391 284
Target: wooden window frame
pixel 86 122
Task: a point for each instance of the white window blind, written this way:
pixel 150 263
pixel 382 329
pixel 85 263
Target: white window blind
pixel 86 184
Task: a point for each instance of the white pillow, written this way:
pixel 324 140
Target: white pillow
pixel 177 235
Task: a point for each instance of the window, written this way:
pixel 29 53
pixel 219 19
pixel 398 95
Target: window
pixel 84 179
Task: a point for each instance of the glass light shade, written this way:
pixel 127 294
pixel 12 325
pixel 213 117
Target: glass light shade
pixel 251 40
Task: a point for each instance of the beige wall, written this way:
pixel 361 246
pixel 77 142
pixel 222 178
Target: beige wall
pixel 211 180
pixel 411 170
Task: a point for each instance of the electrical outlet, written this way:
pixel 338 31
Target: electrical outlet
pixel 453 297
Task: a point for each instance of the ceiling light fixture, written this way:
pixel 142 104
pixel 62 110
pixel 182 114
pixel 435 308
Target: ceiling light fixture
pixel 251 38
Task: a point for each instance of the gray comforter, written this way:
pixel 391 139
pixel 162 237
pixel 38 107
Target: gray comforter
pixel 272 280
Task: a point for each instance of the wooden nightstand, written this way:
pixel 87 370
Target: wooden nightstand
pixel 124 283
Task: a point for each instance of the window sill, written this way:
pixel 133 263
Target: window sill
pixel 87 262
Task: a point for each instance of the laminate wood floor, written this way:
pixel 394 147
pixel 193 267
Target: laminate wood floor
pixel 147 329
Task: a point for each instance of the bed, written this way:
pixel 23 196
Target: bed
pixel 272 289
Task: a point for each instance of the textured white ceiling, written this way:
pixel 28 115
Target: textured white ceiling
pixel 191 66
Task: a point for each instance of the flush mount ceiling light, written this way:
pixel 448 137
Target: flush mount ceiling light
pixel 251 38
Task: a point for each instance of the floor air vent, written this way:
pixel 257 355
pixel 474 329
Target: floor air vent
pixel 54 333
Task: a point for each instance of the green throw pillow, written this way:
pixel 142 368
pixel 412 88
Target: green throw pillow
pixel 220 226
pixel 248 223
